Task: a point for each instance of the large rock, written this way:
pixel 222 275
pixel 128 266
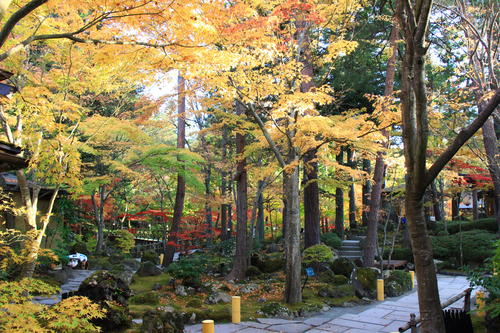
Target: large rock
pixel 343 266
pixel 249 288
pixel 397 283
pixel 364 281
pixel 164 320
pixel 218 297
pixel 104 286
pixel 61 275
pixel 276 310
pixel 268 263
pixel 148 269
pixel 126 269
pixel 111 293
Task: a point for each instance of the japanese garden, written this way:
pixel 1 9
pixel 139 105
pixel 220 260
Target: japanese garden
pixel 249 166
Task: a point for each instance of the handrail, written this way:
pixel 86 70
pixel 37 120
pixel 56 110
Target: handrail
pixel 414 320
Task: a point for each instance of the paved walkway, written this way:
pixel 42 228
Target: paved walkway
pixel 385 316
pixel 73 283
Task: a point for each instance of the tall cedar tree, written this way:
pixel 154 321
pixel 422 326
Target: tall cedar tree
pixel 414 22
pixel 181 182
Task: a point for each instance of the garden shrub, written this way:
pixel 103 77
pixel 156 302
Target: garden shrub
pixel 488 224
pixel 332 240
pixel 188 269
pixel 317 255
pixel 268 263
pixel 150 256
pixel 367 277
pixel 73 314
pixel 123 240
pixel 400 253
pixel 477 245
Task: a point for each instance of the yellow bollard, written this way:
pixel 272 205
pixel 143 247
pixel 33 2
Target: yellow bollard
pixel 236 309
pixel 161 259
pixel 380 289
pixel 412 274
pixel 480 302
pixel 207 326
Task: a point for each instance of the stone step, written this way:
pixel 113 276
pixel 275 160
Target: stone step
pixel 350 253
pixel 350 247
pixel 350 242
pixel 352 257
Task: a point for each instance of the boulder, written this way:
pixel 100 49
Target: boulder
pixel 61 275
pixel 276 310
pixel 331 278
pixel 253 271
pixel 343 266
pixel 148 268
pixel 268 263
pixel 249 288
pixel 117 317
pixel 218 297
pixel 180 290
pixel 104 286
pixel 364 281
pixel 164 320
pixel 397 283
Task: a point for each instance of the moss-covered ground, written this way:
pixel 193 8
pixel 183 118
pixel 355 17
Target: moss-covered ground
pixel 269 290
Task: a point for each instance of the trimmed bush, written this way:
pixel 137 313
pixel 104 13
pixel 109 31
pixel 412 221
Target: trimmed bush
pixel 489 224
pixel 400 253
pixel 477 245
pixel 317 255
pixel 397 283
pixel 123 240
pixel 332 240
pixel 330 278
pixel 150 256
pixel 253 271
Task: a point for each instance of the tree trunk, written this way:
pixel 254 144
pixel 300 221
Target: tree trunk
pixel 180 191
pixel 378 173
pixel 455 210
pixel 352 196
pixel 240 262
pixel 260 214
pixel 366 192
pixel 30 264
pixel 293 290
pixel 475 211
pixel 491 147
pixel 311 200
pixel 224 207
pixel 99 218
pixel 208 209
pixel 339 203
pixel 436 203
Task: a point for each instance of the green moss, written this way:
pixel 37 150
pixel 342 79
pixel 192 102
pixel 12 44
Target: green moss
pixel 332 240
pixel 367 277
pixel 138 310
pixel 331 278
pixel 194 303
pixel 253 271
pixel 143 284
pixel 343 266
pixel 336 291
pixel 150 297
pixel 217 312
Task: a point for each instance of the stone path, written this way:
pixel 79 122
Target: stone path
pixel 73 283
pixel 385 316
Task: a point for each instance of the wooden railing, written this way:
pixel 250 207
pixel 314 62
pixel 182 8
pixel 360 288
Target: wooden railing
pixel 415 320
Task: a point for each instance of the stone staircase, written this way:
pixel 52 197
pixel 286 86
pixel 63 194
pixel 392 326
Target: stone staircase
pixel 351 249
pixel 73 283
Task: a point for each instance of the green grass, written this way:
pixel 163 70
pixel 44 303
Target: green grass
pixel 146 283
